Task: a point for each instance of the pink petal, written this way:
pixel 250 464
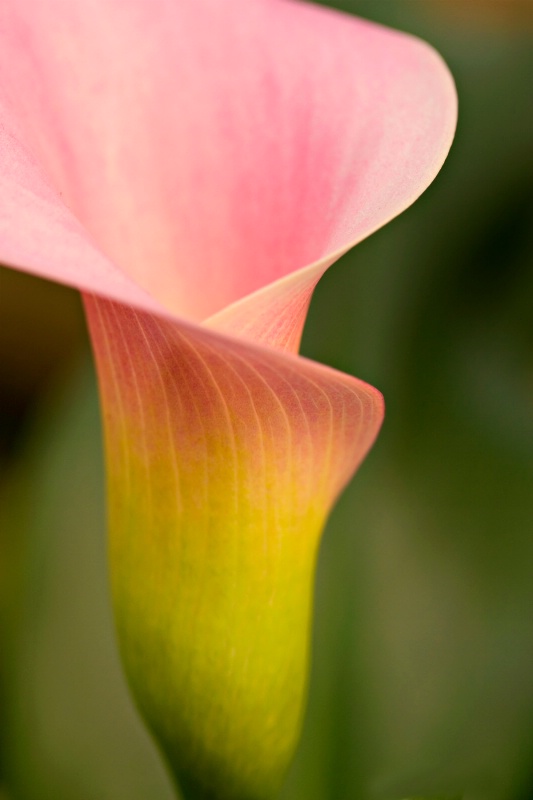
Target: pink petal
pixel 39 234
pixel 209 148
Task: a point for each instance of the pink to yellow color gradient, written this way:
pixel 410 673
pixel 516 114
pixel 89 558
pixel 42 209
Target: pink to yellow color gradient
pixel 193 167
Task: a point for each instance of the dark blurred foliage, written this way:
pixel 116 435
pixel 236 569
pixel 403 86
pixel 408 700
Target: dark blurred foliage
pixel 41 329
pixel 423 657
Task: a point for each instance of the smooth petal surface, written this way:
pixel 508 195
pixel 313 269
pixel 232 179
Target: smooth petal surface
pixel 210 148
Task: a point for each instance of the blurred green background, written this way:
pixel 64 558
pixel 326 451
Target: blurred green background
pixel 423 650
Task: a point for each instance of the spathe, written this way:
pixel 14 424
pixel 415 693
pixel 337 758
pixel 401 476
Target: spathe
pixel 195 161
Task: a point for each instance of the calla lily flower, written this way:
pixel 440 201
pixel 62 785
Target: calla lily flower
pixel 193 167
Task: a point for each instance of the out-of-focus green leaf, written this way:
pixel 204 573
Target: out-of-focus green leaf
pixel 71 732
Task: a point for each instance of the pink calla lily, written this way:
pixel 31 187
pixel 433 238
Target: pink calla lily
pixel 193 167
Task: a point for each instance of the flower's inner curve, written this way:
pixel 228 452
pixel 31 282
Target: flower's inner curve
pixel 214 148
